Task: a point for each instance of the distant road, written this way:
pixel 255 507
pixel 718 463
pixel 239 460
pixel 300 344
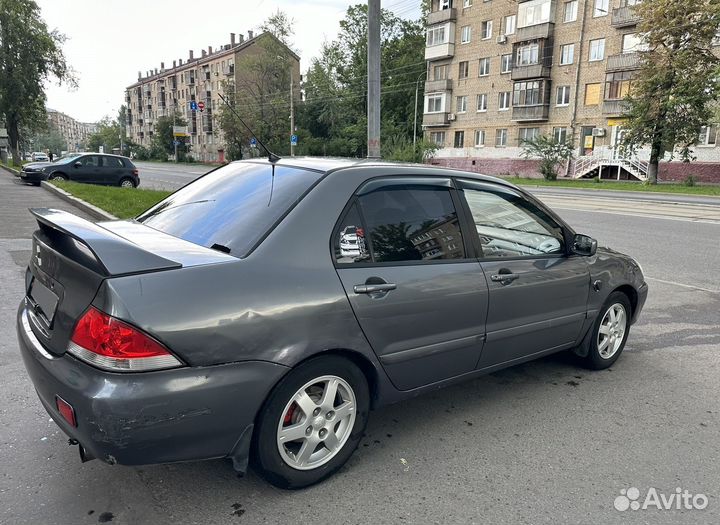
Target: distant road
pixel 168 176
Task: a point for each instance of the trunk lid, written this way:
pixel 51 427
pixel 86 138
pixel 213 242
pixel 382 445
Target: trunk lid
pixel 72 256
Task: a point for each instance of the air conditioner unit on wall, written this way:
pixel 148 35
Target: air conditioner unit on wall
pixel 598 132
pixel 451 116
pixel 501 39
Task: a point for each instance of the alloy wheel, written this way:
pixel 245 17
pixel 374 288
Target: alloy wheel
pixel 612 331
pixel 316 422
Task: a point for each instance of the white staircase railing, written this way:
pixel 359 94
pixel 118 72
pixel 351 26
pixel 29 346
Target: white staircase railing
pixel 587 164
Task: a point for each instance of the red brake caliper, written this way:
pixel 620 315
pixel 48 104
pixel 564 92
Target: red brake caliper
pixel 289 414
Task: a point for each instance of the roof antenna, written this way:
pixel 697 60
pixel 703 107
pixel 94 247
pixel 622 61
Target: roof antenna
pixel 271 156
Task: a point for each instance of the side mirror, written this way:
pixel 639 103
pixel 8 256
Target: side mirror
pixel 78 164
pixel 584 245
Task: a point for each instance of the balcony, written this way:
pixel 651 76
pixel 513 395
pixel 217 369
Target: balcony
pixel 439 51
pixel 438 17
pixel 624 17
pixel 438 85
pixel 531 71
pixel 530 113
pixel 623 62
pixel 523 34
pixel 614 108
pixel 432 120
pixel 229 71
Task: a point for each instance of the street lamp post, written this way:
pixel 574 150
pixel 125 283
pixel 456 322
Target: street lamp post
pixel 417 86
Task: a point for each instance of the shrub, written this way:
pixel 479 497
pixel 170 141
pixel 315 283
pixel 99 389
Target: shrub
pixel 550 151
pixel 690 180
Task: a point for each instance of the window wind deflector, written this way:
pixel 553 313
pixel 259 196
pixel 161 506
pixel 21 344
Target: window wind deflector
pixel 376 184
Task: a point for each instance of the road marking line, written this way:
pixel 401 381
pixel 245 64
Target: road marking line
pixel 647 216
pixel 683 285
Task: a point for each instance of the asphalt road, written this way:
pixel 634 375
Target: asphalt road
pixel 168 176
pixel 545 442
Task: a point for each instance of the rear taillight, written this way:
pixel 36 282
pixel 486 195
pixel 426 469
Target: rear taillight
pixel 111 344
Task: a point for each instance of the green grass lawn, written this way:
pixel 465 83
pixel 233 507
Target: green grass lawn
pixel 124 203
pixel 615 185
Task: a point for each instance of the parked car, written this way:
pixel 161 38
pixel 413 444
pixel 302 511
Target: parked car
pixel 92 168
pixel 289 340
pixel 39 156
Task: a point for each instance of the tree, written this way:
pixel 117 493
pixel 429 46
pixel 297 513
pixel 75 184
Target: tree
pixel 108 135
pixel 30 54
pixel 51 140
pixel 163 138
pixel 678 79
pixel 550 151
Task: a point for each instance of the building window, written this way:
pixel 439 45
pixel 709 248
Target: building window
pixel 504 101
pixel 510 23
pixel 617 85
pixel 563 96
pixel 459 141
pixel 597 49
pixel 501 137
pixel 435 103
pixel 465 34
pixel 525 134
pixel 571 10
pixel 479 138
pixel 567 54
pixel 505 63
pixel 632 43
pixel 467 3
pixel 527 55
pixel 602 8
pixel 533 13
pixel 592 94
pixel 560 134
pixel 438 137
pixel 461 104
pixel 463 69
pixel 484 68
pixel 708 136
pixel 436 36
pixel 486 29
pixel 482 102
pixel 527 93
pixel 440 72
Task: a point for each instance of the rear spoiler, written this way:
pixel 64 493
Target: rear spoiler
pixel 115 255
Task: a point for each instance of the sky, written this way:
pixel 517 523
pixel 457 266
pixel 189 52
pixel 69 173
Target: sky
pixel 109 41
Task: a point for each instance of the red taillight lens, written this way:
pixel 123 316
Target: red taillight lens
pixel 66 410
pixel 109 343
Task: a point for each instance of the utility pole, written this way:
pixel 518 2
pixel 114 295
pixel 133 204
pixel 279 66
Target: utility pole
pixel 373 60
pixel 292 115
pixel 417 86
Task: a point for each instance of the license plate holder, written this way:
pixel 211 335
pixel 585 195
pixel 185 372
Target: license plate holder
pixel 44 300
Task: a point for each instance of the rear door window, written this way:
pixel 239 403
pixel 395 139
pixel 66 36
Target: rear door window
pixel 112 162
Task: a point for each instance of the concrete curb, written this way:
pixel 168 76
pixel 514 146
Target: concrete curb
pixel 12 171
pixel 88 208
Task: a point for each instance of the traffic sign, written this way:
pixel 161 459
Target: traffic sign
pixel 201 105
pixel 293 140
pixel 193 105
pixel 176 142
pixel 253 142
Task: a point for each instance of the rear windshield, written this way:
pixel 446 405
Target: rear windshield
pixel 233 207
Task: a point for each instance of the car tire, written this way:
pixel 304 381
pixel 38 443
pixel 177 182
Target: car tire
pixel 58 176
pixel 126 182
pixel 323 439
pixel 609 332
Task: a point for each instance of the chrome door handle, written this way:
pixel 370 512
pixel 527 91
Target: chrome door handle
pixel 374 288
pixel 504 277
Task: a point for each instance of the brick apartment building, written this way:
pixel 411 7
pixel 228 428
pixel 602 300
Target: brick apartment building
pixel 502 71
pixel 202 78
pixel 73 132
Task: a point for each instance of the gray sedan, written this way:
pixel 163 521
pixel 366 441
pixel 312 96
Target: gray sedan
pixel 260 312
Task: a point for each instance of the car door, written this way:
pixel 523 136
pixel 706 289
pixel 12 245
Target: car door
pixel 110 171
pixel 538 293
pixel 85 169
pixel 416 290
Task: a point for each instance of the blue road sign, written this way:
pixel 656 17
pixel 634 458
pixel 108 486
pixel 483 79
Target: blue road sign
pixel 193 105
pixel 176 142
pixel 253 142
pixel 293 140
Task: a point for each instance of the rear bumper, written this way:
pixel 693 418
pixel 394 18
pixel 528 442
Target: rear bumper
pixel 183 414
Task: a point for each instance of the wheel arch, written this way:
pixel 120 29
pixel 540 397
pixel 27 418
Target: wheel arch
pixel 631 294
